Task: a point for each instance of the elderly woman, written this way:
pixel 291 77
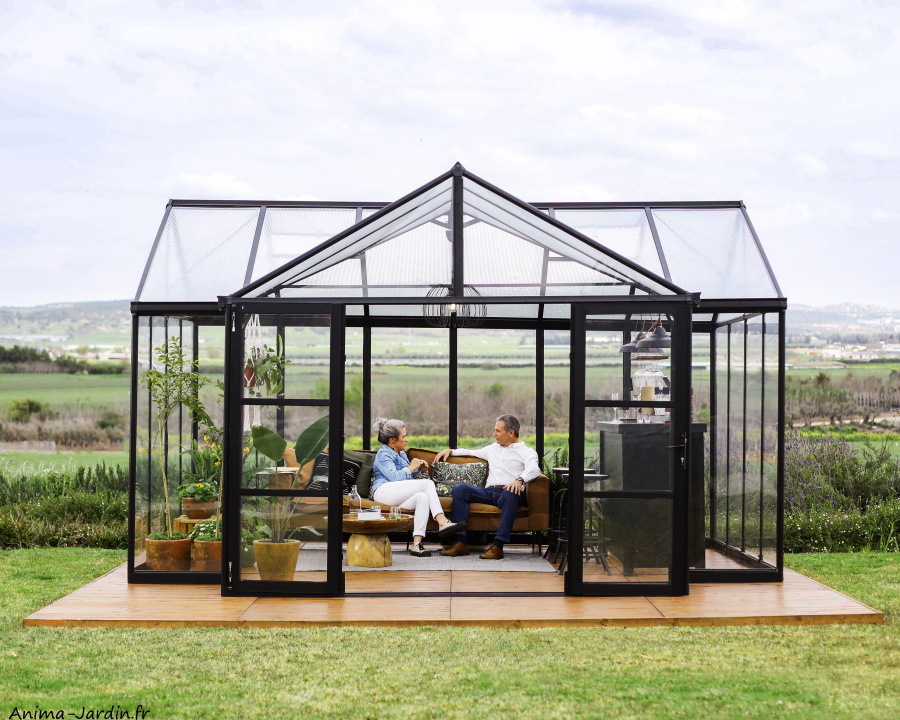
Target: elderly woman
pixel 395 486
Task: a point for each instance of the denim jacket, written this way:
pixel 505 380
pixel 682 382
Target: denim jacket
pixel 389 466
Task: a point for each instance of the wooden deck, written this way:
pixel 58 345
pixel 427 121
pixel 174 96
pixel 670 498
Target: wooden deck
pixel 110 601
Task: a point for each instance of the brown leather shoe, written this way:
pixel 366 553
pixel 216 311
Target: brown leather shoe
pixel 492 553
pixel 456 549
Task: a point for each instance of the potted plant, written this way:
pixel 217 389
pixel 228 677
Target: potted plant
pixel 264 370
pixel 276 555
pixel 206 548
pixel 199 499
pixel 178 383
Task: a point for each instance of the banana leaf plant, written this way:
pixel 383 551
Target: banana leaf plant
pixel 310 443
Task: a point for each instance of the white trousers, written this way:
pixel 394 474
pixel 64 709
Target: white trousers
pixel 418 495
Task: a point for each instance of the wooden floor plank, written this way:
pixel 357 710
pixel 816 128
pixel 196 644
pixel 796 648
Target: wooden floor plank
pixel 111 601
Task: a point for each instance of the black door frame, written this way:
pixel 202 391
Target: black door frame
pixel 679 310
pixel 232 583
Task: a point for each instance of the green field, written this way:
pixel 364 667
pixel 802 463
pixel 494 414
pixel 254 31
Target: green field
pixel 57 460
pixel 57 389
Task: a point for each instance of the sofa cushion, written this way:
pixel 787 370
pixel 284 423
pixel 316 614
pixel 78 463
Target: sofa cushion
pixel 448 475
pixel 350 471
pixel 364 477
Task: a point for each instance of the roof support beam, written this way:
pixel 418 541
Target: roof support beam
pixel 456 210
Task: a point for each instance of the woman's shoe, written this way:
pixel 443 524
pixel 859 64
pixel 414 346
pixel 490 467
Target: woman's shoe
pixel 451 528
pixel 418 549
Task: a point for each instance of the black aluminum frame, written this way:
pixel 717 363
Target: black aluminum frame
pixel 723 311
pixel 678 308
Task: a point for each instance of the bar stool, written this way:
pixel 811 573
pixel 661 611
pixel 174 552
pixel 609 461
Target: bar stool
pixel 558 539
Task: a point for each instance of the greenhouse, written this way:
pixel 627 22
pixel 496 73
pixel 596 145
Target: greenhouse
pixel 642 341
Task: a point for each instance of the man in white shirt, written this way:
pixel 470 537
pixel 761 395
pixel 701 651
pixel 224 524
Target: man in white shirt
pixel 511 466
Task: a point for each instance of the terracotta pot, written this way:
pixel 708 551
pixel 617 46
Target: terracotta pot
pixel 206 556
pixel 250 376
pixel 198 509
pixel 171 555
pixel 276 561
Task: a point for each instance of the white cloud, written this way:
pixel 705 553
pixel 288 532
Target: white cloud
pixel 109 109
pixel 809 165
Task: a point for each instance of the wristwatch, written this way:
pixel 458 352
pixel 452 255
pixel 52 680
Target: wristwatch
pixel 523 481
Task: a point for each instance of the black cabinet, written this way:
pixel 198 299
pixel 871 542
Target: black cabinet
pixel 636 457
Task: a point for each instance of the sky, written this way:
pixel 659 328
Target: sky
pixel 108 109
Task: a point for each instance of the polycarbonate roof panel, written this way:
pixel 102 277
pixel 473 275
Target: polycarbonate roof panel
pixel 406 248
pixel 201 252
pixel 713 251
pixel 402 220
pixel 288 233
pixel 484 204
pixel 626 231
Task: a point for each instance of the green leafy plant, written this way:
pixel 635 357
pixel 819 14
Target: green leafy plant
pixel 178 383
pixel 203 491
pixel 310 443
pixel 264 370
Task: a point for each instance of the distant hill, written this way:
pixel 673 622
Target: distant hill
pixel 846 321
pixel 64 326
pixel 58 326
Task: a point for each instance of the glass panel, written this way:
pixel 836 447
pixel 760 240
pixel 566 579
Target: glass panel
pixel 626 232
pixel 713 251
pixel 359 249
pixel 627 540
pixel 410 380
pixel 287 233
pixel 301 525
pixel 771 362
pixel 736 436
pixel 499 212
pixel 143 459
pixel 753 452
pixel 202 253
pixel 162 460
pixel 702 455
pixel 634 456
pixel 720 461
pixel 496 377
pixel 287 354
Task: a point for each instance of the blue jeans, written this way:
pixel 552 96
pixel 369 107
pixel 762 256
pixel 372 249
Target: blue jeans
pixel 464 495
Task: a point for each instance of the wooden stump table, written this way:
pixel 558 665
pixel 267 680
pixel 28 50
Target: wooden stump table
pixel 368 545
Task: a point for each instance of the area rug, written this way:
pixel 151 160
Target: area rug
pixel 312 559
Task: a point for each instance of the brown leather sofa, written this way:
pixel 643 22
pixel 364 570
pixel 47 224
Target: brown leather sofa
pixel 533 516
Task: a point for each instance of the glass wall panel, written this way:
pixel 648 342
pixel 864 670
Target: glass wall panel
pixel 496 377
pixel 168 451
pixel 701 395
pixel 753 450
pixel 720 460
pixel 627 540
pixel 770 423
pixel 410 382
pixel 736 436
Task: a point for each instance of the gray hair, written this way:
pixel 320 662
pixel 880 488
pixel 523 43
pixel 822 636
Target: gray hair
pixel 387 429
pixel 511 423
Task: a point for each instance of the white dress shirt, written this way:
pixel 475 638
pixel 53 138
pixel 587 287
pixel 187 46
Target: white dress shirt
pixel 505 464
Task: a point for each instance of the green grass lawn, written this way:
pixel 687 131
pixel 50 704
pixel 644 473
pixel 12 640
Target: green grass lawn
pixel 827 672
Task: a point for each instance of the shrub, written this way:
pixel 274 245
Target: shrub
pixel 830 530
pixel 20 411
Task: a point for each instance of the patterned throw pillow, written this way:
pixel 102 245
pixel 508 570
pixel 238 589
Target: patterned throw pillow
pixel 348 477
pixel 446 475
